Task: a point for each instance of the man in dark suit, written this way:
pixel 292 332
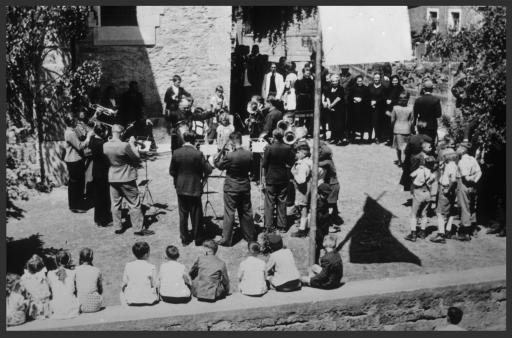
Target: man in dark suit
pixel 256 69
pixel 427 109
pixel 237 162
pixel 278 158
pixel 172 98
pixel 189 168
pixel 124 159
pixel 273 116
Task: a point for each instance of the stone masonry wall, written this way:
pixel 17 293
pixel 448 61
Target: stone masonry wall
pixel 191 41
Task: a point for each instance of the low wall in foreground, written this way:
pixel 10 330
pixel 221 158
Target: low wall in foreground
pixel 405 303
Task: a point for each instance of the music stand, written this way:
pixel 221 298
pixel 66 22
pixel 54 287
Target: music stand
pixel 144 184
pixel 208 150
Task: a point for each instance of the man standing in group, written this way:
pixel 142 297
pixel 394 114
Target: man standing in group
pixel 122 177
pixel 273 84
pixel 189 169
pixel 427 109
pixel 237 189
pixel 172 98
pixel 255 69
pixel 273 116
pixel 131 115
pixel 377 96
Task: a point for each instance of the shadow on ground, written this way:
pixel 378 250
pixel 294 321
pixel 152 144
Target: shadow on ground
pixel 371 240
pixel 20 250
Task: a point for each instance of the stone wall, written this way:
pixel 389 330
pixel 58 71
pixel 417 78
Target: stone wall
pixel 191 41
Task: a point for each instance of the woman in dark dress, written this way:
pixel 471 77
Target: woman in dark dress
pixel 358 108
pixel 377 97
pixel 392 97
pixel 333 98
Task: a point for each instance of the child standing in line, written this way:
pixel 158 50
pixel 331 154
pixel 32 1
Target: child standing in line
pixel 328 274
pixel 35 282
pixel 16 303
pixel 331 178
pixel 89 285
pixel 252 274
pixel 281 265
pixel 210 280
pixel 423 179
pixel 301 172
pixel 446 193
pixel 173 281
pixel 401 120
pixel 64 303
pixel 139 278
pixel 224 129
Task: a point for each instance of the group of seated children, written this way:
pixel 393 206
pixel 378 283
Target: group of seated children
pixel 439 183
pixel 61 293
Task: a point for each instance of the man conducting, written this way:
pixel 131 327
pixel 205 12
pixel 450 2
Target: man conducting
pixel 122 177
pixel 189 168
pixel 237 189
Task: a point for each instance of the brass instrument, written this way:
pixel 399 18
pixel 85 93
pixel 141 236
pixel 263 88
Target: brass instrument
pixel 103 110
pixel 290 136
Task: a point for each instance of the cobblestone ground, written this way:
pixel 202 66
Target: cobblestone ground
pixel 371 204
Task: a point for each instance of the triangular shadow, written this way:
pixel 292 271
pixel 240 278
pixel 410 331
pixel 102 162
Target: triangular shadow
pixel 371 240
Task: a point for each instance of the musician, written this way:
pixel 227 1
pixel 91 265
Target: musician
pixel 109 100
pixel 273 83
pixel 131 115
pixel 278 158
pixel 254 122
pixel 182 118
pixel 174 94
pixel 274 115
pixel 237 162
pixel 100 168
pixel 189 169
pixel 124 159
pixel 75 162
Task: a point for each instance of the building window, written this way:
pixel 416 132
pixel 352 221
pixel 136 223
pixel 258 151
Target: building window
pixel 433 18
pixel 454 20
pixel 118 16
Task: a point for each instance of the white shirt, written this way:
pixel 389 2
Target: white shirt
pixel 422 176
pixel 283 263
pixel 448 174
pixel 251 275
pixel 140 279
pixel 172 282
pixel 246 79
pixel 469 168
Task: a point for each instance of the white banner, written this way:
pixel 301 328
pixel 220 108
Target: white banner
pixel 365 34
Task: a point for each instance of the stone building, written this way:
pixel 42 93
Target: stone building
pixel 444 18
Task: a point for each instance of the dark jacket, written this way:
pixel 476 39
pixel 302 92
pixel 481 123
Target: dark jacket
pixel 130 108
pixel 274 115
pixel 393 94
pixel 332 272
pixel 277 161
pixel 237 164
pixel 172 104
pixel 188 169
pixel 100 163
pixel 427 109
pixel 305 92
pixel 377 94
pixel 210 278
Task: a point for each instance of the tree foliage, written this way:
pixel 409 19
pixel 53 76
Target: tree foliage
pixel 481 87
pixel 43 81
pixel 271 23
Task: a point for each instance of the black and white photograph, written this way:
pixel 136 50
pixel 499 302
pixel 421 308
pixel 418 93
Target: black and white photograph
pixel 255 168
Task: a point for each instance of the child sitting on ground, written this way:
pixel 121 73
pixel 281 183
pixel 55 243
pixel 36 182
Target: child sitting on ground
pixel 281 265
pixel 301 172
pixel 16 303
pixel 173 281
pixel 35 282
pixel 210 281
pixel 251 273
pixel 328 274
pixel 64 303
pixel 454 316
pixel 447 183
pixel 88 283
pixel 139 278
pixel 422 195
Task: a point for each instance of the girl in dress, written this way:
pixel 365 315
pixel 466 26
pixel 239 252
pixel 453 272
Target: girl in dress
pixel 64 303
pixel 35 283
pixel 88 283
pixel 224 130
pixel 17 304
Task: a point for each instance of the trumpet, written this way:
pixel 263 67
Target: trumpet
pixel 103 110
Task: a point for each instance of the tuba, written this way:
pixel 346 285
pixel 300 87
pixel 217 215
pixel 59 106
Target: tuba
pixel 289 131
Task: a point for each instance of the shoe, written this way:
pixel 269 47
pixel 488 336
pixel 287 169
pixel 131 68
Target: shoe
pixel 144 232
pixel 186 242
pixel 119 231
pixel 105 225
pixel 411 237
pixel 463 237
pixel 376 141
pixel 299 234
pixel 78 211
pixel 440 238
pixel 422 234
pixel 223 243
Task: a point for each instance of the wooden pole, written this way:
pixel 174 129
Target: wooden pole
pixel 316 140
